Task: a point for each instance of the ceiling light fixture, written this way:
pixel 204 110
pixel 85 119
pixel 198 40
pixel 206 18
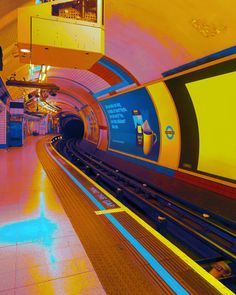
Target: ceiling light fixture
pixel 25 50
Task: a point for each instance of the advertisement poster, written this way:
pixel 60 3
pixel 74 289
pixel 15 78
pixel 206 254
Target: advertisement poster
pixel 92 132
pixel 216 123
pixel 205 100
pixel 133 124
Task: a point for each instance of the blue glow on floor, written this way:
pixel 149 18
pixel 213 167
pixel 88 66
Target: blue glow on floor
pixel 159 269
pixel 37 230
pixel 27 231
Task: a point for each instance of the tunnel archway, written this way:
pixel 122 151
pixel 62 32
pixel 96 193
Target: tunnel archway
pixel 72 126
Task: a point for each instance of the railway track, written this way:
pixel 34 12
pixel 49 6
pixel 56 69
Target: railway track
pixel 212 239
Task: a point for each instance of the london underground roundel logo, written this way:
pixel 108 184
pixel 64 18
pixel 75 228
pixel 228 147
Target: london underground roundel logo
pixel 170 133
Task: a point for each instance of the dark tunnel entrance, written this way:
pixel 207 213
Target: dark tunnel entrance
pixel 72 127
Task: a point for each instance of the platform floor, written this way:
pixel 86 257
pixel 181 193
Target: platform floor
pixel 40 253
pixel 43 214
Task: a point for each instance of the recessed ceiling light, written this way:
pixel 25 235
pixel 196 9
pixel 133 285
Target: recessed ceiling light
pixel 24 50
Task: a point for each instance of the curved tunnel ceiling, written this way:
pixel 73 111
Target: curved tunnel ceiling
pixel 92 81
pixel 146 38
pixel 163 35
pixel 89 81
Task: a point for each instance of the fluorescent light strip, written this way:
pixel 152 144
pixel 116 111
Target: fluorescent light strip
pixel 43 69
pixel 159 269
pixel 25 50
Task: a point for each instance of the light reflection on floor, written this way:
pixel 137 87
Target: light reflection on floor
pixel 30 230
pixel 39 250
pixel 40 230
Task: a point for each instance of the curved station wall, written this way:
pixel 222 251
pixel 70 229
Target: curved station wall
pixel 180 125
pixel 162 97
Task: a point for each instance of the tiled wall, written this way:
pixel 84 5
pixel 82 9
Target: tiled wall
pixel 3 123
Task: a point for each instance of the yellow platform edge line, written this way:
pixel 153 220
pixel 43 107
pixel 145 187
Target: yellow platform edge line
pixel 110 211
pixel 191 263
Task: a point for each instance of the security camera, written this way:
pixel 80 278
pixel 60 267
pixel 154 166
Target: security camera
pixel 52 93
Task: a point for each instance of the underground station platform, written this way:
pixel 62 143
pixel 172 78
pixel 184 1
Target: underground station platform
pixel 117 147
pixel 69 235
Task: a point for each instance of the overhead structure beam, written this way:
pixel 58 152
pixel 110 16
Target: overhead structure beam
pixel 29 84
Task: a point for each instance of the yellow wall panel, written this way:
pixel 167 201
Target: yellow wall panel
pixel 167 116
pixel 214 101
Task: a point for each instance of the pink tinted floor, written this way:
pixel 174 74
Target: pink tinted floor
pixel 39 251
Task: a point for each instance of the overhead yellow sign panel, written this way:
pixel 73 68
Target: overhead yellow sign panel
pixel 61 33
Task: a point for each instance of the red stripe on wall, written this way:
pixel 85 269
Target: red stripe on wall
pixel 106 74
pixel 216 187
pixel 103 127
